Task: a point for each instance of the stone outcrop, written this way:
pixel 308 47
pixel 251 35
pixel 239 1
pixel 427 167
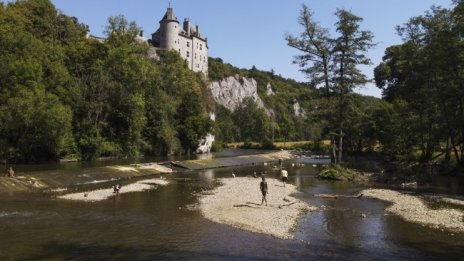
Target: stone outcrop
pixel 231 91
pixel 205 144
pixel 298 111
pixel 269 90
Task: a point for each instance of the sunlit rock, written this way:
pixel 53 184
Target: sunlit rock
pixel 205 144
pixel 230 91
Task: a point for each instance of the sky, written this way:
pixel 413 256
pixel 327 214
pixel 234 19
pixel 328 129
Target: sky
pixel 252 32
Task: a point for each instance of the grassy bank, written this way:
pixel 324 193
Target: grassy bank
pixel 321 147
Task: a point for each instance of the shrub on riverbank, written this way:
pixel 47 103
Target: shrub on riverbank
pixel 341 173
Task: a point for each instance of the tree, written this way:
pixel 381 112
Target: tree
pixel 35 126
pixel 119 31
pixel 252 121
pixel 225 130
pixel 350 50
pixel 286 127
pixel 334 61
pixel 425 72
pixel 317 47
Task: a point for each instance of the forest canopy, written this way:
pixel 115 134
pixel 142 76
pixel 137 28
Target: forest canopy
pixel 63 94
pixel 66 95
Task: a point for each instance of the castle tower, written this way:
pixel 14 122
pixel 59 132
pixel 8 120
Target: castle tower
pixel 185 39
pixel 169 31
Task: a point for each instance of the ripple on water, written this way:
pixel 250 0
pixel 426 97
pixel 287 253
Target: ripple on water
pixel 5 214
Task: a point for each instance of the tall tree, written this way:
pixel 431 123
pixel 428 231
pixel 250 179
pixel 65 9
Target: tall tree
pixel 334 61
pixel 426 72
pixel 316 47
pixel 349 52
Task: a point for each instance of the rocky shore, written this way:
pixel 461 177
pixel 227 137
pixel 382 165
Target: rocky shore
pixel 237 202
pixel 414 209
pixel 102 194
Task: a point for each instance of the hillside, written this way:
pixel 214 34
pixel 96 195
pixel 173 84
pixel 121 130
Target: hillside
pixel 292 107
pixel 65 95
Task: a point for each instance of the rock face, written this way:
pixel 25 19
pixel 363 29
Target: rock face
pixel 205 144
pixel 298 111
pixel 231 91
pixel 269 90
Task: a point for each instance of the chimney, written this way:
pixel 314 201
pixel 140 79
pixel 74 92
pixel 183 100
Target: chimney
pixel 187 26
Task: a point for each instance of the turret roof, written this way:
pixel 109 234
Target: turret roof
pixel 169 15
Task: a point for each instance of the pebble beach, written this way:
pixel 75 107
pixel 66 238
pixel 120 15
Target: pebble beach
pixel 414 209
pixel 102 194
pixel 237 202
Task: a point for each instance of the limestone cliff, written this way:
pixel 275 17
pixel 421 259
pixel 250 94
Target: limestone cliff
pixel 298 111
pixel 230 91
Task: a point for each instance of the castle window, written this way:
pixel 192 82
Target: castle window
pixel 188 54
pixel 201 46
pixel 188 44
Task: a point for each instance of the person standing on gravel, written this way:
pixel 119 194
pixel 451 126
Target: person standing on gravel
pixel 284 176
pixel 263 187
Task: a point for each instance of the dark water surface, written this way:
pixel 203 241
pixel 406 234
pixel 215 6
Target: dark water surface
pixel 160 225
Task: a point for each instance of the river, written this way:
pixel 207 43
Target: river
pixel 159 225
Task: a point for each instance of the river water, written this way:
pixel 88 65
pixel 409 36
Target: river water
pixel 160 224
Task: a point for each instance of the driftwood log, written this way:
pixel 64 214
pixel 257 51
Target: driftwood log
pixel 334 196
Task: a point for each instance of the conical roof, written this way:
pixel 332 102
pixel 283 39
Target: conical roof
pixel 169 15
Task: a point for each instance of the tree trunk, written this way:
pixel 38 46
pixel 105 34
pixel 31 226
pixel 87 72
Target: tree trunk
pixel 334 150
pixel 461 110
pixel 456 152
pixel 326 76
pixel 340 146
pixel 342 106
pixel 448 150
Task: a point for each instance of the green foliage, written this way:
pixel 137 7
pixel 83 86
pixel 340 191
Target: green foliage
pixel 341 173
pixel 217 70
pixel 423 78
pixel 333 62
pixel 253 123
pixel 316 47
pixel 63 94
pixel 35 126
pixel 283 124
pixel 225 130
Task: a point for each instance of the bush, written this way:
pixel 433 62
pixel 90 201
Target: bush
pixel 341 173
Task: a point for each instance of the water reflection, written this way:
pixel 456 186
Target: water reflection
pixel 207 175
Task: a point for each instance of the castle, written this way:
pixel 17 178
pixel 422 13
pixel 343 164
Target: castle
pixel 187 40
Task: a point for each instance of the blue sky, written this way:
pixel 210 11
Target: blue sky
pixel 251 32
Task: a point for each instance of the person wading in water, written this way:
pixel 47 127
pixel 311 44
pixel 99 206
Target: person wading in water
pixel 10 172
pixel 263 187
